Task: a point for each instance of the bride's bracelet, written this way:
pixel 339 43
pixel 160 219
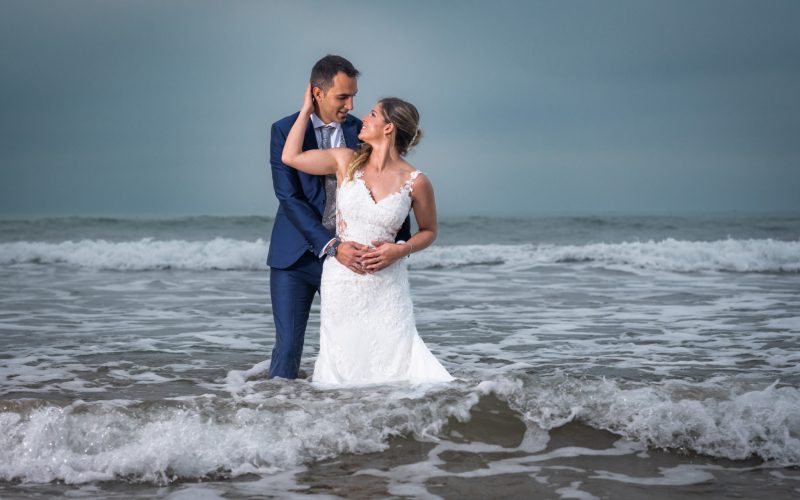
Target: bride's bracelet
pixel 410 248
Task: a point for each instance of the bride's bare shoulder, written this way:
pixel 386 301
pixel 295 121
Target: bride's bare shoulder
pixel 417 180
pixel 407 168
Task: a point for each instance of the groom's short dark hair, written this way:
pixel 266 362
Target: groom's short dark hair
pixel 326 68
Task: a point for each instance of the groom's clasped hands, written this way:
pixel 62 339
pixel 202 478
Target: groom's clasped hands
pixel 363 259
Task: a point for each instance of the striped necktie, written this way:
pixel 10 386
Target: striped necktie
pixel 329 215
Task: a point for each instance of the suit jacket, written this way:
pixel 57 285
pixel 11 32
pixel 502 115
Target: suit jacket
pixel 298 224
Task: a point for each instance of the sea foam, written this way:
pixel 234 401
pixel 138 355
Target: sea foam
pixel 731 255
pixel 204 436
pixel 280 427
pixel 711 418
pixel 144 254
pixel 765 255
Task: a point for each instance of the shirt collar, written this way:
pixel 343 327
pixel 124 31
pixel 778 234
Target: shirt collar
pixel 317 122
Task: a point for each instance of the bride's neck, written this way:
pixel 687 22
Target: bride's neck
pixel 382 155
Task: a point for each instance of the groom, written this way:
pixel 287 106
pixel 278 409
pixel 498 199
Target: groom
pixel 304 231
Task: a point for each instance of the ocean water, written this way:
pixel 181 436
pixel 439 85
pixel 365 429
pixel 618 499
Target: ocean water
pixel 596 357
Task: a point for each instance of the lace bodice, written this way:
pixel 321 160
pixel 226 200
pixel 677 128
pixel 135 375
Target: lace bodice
pixel 360 218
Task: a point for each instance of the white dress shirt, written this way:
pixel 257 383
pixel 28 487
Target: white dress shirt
pixel 337 137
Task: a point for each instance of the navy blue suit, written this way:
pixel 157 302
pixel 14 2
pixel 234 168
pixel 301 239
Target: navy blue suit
pixel 298 238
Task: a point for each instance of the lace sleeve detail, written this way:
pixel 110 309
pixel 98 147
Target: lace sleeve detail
pixel 409 184
pixel 341 226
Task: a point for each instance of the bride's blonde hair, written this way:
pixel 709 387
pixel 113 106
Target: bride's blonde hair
pixel 407 133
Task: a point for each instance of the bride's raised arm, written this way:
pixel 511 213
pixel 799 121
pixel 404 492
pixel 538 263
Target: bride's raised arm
pixel 314 161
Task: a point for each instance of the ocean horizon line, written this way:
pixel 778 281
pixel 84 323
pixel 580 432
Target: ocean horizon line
pixel 446 216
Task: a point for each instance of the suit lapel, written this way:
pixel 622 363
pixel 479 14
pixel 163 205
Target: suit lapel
pixel 310 139
pixel 310 142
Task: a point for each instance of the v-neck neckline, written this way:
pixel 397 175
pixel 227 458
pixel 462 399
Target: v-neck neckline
pixel 360 176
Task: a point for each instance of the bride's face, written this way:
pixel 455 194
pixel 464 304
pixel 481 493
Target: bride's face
pixel 374 127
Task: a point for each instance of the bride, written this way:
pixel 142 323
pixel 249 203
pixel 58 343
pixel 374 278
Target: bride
pixel 367 330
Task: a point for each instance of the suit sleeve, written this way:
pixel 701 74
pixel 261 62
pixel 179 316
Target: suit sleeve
pixel 404 233
pixel 290 195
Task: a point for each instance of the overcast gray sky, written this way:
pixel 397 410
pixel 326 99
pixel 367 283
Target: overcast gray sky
pixel 163 108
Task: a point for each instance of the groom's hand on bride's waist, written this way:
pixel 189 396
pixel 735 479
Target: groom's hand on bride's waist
pixel 351 254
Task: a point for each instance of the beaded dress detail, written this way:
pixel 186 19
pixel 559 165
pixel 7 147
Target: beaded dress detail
pixel 367 329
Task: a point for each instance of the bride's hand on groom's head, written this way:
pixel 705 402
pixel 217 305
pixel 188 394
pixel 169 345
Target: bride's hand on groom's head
pixel 308 100
pixel 350 254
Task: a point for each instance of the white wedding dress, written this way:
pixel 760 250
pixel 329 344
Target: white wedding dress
pixel 367 330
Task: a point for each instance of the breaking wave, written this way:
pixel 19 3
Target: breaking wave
pixel 277 428
pixel 730 255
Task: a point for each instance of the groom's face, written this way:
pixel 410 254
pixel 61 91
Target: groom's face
pixel 338 100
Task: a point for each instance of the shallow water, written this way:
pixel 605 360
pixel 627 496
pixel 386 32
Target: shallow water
pixel 605 357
